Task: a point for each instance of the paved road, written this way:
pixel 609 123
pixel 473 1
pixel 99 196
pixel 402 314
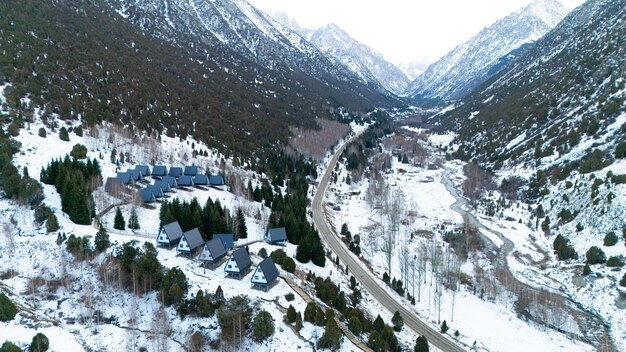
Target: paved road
pixel 366 279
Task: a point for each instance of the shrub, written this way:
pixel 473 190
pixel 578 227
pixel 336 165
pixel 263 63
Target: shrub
pixel 289 265
pixel 277 256
pixel 8 310
pixel 620 150
pixel 79 151
pixel 9 347
pixel 63 135
pixel 623 281
pixel 263 253
pixel 610 239
pixel 42 132
pixel 52 224
pixel 615 262
pixel 595 256
pixel 563 249
pixel 262 326
pixel 79 131
pixel 40 343
pixel 289 297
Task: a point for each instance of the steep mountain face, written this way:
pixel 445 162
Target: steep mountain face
pixel 368 64
pixel 472 63
pixel 243 29
pixel 561 97
pixel 153 66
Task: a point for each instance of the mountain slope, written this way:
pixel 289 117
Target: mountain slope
pixel 237 26
pixel 81 60
pixel 365 62
pixel 554 102
pixel 472 63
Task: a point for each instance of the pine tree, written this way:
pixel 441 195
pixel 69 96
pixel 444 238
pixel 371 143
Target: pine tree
pixel 379 324
pixel 298 325
pixel 421 344
pixel 444 327
pixel 586 270
pixel 291 314
pixel 331 339
pixel 243 229
pixel 119 223
pixel 397 321
pixel 309 312
pixel 52 224
pixel 102 240
pixel 133 221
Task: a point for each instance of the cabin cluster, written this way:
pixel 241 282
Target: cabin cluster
pixel 166 181
pixel 220 249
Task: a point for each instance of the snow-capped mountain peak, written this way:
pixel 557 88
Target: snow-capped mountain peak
pixel 473 62
pixel 365 62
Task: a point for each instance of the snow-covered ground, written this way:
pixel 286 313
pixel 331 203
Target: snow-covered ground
pixel 65 315
pixel 493 325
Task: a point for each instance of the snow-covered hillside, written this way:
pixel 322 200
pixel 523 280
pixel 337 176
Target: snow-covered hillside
pixel 475 61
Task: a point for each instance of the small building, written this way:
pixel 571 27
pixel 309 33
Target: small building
pixel 157 191
pixel 171 180
pixel 238 263
pixel 190 170
pixel 276 236
pixel 228 240
pixel 176 172
pixel 125 177
pixel 159 171
pixel 146 195
pixel 164 186
pixel 213 251
pixel 144 169
pixel 170 234
pixel 200 180
pixel 185 181
pixel 216 180
pixel 135 175
pixel 190 241
pixel 114 186
pixel 265 274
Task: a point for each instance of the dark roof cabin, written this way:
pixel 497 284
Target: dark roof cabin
pixel 114 186
pixel 185 181
pixel 265 274
pixel 191 170
pixel 216 180
pixel 170 234
pixel 146 195
pixel 144 169
pixel 228 239
pixel 157 191
pixel 135 175
pixel 201 180
pixel 213 251
pixel 176 172
pixel 276 236
pixel 159 171
pixel 171 180
pixel 125 177
pixel 238 263
pixel 190 241
pixel 164 186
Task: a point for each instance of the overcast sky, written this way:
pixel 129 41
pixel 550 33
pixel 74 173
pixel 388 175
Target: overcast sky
pixel 402 30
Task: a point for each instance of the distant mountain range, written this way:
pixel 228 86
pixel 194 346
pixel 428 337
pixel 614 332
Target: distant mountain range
pixel 365 62
pixel 475 61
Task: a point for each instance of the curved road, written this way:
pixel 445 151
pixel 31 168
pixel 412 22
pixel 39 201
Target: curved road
pixel 367 280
